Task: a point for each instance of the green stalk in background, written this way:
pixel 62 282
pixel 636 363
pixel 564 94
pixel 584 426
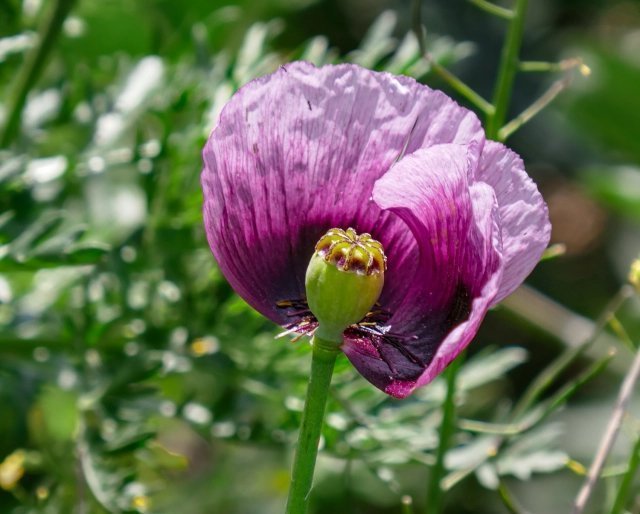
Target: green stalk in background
pixel 495 115
pixel 507 72
pixel 447 430
pixel 625 488
pixel 33 66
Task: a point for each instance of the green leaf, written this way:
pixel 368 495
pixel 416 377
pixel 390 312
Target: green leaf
pixel 618 187
pixel 34 234
pixel 378 42
pixel 59 243
pixel 78 256
pixel 60 415
pixel 127 440
pixel 106 481
pixel 85 254
pixel 490 366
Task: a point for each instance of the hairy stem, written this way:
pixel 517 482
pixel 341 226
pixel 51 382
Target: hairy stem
pixel 322 364
pixel 507 71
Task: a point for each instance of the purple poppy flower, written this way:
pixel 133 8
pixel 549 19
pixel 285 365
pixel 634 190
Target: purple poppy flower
pixel 306 149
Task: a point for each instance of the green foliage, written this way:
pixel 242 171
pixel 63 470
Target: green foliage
pixel 607 107
pixel 130 373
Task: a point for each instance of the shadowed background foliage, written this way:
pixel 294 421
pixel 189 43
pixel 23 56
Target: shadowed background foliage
pixel 132 379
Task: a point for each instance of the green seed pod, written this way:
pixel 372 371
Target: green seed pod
pixel 344 280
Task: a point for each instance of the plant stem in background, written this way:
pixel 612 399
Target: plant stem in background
pixel 507 499
pixel 323 360
pixel 454 82
pixel 494 9
pixel 551 373
pixel 625 487
pixel 507 71
pixel 534 109
pixel 447 429
pixel 32 68
pixel 610 435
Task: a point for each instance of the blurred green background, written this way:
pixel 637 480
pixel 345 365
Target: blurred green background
pixel 132 379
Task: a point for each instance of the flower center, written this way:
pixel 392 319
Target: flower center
pixel 349 251
pixel 344 280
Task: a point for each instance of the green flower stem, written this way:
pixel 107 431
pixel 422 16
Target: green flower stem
pixel 33 66
pixel 507 72
pixel 447 429
pixel 322 363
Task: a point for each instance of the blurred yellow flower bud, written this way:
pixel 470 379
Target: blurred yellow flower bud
pixel 141 503
pixel 634 274
pixel 12 470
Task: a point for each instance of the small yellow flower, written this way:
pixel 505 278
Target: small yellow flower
pixel 576 467
pixel 204 346
pixel 141 503
pixel 42 493
pixel 12 470
pixel 585 71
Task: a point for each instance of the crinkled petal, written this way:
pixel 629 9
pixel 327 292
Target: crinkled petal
pixel 524 219
pixel 430 191
pixel 297 152
pixel 455 224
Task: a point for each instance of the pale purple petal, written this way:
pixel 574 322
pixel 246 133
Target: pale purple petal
pixel 297 152
pixel 455 224
pixel 430 191
pixel 524 220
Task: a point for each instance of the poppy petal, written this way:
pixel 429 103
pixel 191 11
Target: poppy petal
pixel 454 223
pixel 524 219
